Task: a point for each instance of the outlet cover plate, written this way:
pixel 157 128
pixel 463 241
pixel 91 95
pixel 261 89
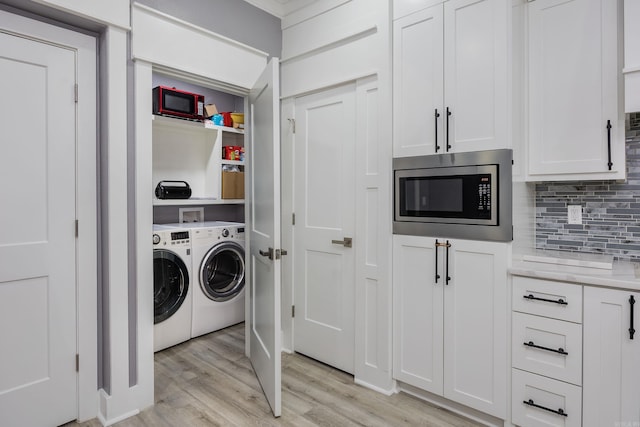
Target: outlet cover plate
pixel 574 214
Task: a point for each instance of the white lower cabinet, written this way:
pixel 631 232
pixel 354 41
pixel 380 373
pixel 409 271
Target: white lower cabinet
pixel 450 319
pixel 584 365
pixel 542 401
pixel 546 353
pixel 611 358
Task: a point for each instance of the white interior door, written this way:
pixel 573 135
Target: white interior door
pixel 37 233
pixel 324 193
pixel 263 223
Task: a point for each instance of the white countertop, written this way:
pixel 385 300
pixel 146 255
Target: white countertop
pixel 585 269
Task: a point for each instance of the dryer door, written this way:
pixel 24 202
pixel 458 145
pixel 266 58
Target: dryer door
pixel 170 284
pixel 222 271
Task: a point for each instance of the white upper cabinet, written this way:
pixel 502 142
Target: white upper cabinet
pixel 418 90
pixel 576 129
pixel 450 77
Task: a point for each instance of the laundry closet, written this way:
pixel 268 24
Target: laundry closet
pixel 198 232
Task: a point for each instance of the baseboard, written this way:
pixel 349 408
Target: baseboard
pixel 465 411
pixel 386 392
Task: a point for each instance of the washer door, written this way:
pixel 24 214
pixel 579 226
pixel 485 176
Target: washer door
pixel 222 271
pixel 170 284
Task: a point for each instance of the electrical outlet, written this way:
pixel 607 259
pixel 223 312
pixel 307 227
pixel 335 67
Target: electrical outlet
pixel 190 215
pixel 574 214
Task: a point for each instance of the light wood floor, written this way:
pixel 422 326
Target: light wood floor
pixel 208 381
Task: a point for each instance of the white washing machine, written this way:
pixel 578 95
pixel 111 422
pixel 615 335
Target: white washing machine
pixel 218 268
pixel 172 286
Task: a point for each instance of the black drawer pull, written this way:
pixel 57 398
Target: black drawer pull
pixel 560 350
pixel 558 301
pixel 632 331
pixel 560 411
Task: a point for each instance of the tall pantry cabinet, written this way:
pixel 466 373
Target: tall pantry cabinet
pixel 451 68
pixel 450 76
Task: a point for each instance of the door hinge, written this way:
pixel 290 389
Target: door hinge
pixel 293 124
pixel 77 362
pixel 77 228
pixel 75 92
pixel 293 219
pixel 293 311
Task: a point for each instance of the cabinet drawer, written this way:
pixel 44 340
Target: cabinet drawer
pixel 547 298
pixel 553 347
pixel 549 396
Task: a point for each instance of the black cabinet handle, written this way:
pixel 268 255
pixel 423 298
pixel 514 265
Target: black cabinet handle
pixel 447 278
pixel 448 115
pixel 437 275
pixel 436 129
pixel 560 350
pixel 558 301
pixel 609 142
pixel 632 331
pixel 560 411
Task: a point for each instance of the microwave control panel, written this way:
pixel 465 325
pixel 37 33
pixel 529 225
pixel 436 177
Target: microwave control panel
pixel 484 193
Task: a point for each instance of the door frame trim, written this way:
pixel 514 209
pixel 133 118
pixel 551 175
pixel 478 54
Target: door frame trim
pixel 85 47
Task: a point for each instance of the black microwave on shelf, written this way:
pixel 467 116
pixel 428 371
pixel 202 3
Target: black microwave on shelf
pixel 169 101
pixel 461 195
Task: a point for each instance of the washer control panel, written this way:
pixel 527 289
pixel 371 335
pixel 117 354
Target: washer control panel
pixel 172 238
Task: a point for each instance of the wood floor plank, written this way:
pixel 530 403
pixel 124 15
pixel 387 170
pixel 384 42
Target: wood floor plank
pixel 208 382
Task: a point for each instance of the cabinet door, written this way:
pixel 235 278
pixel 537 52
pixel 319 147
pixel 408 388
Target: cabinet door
pixel 417 83
pixel 476 314
pixel 573 90
pixel 611 377
pixel 417 313
pixel 475 77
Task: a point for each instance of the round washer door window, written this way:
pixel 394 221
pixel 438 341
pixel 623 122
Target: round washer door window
pixel 170 284
pixel 222 271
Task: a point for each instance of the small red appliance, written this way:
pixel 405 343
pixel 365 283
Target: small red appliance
pixel 169 101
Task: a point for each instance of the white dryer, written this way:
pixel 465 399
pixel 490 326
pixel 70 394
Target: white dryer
pixel 218 268
pixel 172 286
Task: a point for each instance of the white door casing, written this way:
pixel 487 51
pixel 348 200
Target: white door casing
pixel 263 244
pixel 324 204
pixel 38 305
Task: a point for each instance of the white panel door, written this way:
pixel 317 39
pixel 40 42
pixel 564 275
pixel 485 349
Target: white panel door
pixel 475 74
pixel 475 325
pixel 573 88
pixel 417 83
pixel 324 192
pixel 37 233
pixel 263 223
pixel 418 292
pixel 611 365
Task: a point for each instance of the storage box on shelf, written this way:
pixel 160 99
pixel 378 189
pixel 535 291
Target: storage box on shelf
pixel 191 151
pixel 450 315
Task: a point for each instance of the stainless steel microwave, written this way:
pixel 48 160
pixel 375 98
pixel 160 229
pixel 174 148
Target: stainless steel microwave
pixel 459 195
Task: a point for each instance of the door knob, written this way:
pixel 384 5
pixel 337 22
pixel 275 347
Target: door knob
pixel 347 242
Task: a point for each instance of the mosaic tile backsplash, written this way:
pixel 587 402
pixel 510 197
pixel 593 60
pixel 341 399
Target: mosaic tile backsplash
pixel 610 210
